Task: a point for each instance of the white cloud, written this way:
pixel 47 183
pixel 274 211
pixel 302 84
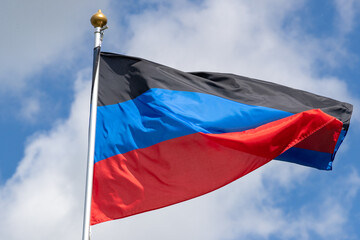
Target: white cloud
pixel 229 36
pixel 44 199
pixel 348 11
pixel 38 33
pixel 30 108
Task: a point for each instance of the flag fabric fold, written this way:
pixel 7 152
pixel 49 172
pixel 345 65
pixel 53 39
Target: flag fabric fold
pixel 164 136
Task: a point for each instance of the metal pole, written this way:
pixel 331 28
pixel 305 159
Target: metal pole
pixel 98 20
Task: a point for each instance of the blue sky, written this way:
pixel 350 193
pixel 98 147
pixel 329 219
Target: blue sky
pixel 45 75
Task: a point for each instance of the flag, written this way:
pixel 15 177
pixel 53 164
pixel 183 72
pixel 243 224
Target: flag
pixel 164 136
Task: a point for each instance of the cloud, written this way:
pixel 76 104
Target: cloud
pixel 38 33
pixel 44 44
pixel 30 108
pixel 348 11
pixel 45 196
pixel 229 36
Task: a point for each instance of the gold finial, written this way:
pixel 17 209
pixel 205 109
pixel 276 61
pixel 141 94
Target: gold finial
pixel 98 19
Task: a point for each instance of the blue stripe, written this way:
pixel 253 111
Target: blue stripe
pixel 311 158
pixel 306 157
pixel 340 140
pixel 159 115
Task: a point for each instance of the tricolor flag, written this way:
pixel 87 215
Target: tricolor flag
pixel 164 136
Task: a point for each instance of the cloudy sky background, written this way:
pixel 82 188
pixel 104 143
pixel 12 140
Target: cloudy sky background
pixel 45 76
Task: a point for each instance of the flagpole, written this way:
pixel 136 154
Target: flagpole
pixel 98 20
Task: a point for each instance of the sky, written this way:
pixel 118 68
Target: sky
pixel 45 76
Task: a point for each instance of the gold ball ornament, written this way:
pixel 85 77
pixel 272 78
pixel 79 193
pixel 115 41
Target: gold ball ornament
pixel 98 19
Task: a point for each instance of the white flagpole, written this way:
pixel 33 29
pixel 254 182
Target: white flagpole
pixel 98 20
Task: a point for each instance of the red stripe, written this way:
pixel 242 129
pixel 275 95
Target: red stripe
pixel 183 168
pixel 316 141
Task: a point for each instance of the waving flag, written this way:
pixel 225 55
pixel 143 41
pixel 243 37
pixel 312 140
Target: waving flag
pixel 164 136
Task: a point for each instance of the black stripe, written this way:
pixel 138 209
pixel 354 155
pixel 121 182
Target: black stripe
pixel 123 78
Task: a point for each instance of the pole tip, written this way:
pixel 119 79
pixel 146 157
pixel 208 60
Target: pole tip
pixel 98 19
